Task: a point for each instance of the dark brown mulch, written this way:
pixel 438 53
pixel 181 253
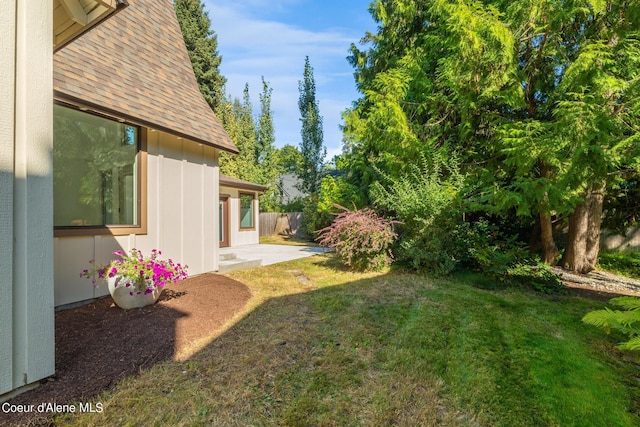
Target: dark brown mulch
pixel 99 344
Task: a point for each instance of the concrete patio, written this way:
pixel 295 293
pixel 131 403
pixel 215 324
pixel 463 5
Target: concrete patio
pixel 249 256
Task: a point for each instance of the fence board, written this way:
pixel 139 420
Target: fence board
pixel 289 223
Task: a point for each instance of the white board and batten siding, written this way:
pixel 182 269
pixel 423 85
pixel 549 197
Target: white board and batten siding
pixel 26 182
pixel 238 236
pixel 181 213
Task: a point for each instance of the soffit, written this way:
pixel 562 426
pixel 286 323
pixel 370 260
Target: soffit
pixel 73 17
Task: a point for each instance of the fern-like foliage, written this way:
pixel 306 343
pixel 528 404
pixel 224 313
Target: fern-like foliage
pixel 626 321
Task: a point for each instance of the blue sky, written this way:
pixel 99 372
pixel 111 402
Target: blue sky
pixel 271 38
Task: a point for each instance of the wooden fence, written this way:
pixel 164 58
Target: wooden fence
pixel 289 223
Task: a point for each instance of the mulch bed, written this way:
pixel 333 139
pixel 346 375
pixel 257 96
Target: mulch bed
pixel 99 344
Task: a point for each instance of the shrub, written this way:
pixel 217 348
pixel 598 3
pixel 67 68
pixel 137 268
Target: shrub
pixel 622 263
pixel 426 201
pixel 536 275
pixel 627 321
pixel 483 246
pixel 361 239
pixel 320 210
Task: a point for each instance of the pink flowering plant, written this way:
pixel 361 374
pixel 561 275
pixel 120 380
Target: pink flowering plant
pixel 140 274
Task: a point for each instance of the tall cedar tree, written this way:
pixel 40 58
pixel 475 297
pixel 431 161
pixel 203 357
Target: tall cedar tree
pixel 311 146
pixel 539 99
pixel 202 45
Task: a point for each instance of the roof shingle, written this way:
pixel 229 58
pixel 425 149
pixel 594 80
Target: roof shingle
pixel 135 66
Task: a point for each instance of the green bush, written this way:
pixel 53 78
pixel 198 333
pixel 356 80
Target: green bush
pixel 361 239
pixel 425 200
pixel 622 263
pixel 626 321
pixel 536 275
pixel 320 210
pixel 483 246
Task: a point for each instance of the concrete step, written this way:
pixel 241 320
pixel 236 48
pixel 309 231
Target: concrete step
pixel 238 264
pixel 227 256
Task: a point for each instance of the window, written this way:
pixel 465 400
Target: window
pixel 247 214
pixel 97 182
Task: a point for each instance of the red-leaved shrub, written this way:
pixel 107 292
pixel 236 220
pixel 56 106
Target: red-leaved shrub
pixel 362 239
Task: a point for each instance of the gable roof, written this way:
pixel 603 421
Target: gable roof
pixel 229 181
pixel 135 67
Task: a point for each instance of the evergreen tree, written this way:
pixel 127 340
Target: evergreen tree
pixel 202 45
pixel 311 147
pixel 538 99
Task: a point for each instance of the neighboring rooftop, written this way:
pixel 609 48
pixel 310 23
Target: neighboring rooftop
pixel 135 67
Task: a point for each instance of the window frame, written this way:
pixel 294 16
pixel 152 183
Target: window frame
pixel 118 229
pixel 253 208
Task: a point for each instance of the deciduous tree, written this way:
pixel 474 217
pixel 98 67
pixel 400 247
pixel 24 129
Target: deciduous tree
pixel 311 145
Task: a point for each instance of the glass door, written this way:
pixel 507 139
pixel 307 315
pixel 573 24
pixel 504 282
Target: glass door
pixel 224 221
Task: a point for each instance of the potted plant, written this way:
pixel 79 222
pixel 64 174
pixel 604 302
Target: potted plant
pixel 135 281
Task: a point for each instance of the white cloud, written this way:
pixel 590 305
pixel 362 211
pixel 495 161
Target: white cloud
pixel 252 47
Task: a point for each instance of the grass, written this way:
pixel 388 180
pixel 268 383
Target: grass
pixel 622 263
pixel 347 349
pixel 278 239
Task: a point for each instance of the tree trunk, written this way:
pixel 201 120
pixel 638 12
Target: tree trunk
pixel 549 248
pixel 595 204
pixel 583 244
pixel 574 256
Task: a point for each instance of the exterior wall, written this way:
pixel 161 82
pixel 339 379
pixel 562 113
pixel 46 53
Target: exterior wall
pixel 26 210
pixel 181 214
pixel 241 237
pixel 289 187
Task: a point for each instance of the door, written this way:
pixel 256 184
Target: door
pixel 224 221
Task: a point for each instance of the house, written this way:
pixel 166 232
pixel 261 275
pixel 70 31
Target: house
pixel 121 152
pixel 239 210
pixel 289 187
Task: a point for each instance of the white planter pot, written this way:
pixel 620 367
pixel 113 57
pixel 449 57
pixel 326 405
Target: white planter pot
pixel 122 295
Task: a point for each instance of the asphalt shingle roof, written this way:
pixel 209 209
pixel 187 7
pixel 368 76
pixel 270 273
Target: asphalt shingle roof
pixel 135 66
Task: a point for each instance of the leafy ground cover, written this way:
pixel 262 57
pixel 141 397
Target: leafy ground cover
pixel 317 345
pixel 623 263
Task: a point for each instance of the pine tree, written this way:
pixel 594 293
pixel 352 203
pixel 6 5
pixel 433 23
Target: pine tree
pixel 202 45
pixel 311 146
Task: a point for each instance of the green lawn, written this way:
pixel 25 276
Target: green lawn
pixel 277 239
pixel 388 349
